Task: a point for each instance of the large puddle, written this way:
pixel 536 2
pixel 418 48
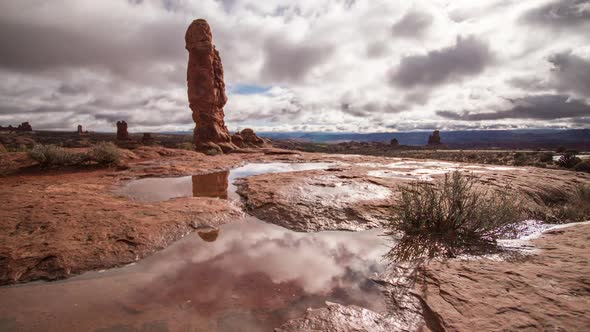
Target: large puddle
pixel 245 276
pixel 215 184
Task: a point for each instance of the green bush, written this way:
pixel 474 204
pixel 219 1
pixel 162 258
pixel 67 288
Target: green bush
pixel 450 217
pixel 105 153
pixel 51 155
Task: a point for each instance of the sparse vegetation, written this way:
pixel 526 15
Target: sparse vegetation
pixel 105 153
pixel 568 160
pixel 582 166
pixel 212 152
pixel 571 208
pixel 187 146
pixel 450 217
pixel 52 155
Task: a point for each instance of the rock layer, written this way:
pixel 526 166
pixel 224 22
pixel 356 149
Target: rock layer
pixel 206 89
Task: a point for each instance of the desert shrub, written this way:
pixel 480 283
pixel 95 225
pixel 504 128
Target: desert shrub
pixel 574 208
pixel 520 159
pixel 568 160
pixel 450 217
pixel 546 157
pixel 582 166
pixel 51 155
pixel 212 152
pixel 105 153
pixel 187 146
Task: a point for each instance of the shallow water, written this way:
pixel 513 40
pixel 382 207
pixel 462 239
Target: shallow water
pixel 216 184
pixel 245 276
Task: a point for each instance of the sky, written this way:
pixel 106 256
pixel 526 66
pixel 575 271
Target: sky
pixel 307 65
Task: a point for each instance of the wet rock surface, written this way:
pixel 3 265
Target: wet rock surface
pixel 546 291
pixel 358 193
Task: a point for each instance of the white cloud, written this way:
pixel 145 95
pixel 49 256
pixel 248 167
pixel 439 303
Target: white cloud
pixel 65 62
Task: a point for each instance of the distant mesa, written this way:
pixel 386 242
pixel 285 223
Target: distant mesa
pixel 122 134
pixel 23 127
pixel 394 142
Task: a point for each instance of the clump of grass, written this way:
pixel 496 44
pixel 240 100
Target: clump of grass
pixel 450 217
pixel 187 146
pixel 105 153
pixel 573 208
pixel 52 155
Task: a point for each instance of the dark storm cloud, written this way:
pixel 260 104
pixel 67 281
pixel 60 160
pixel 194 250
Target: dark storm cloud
pixel 541 107
pixel 289 62
pixel 571 73
pixel 560 14
pixel 413 24
pixel 467 57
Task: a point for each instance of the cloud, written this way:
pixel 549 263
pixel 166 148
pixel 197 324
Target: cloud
pixel 287 64
pixel 560 14
pixel 467 57
pixel 542 107
pixel 571 73
pixel 291 62
pixel 413 24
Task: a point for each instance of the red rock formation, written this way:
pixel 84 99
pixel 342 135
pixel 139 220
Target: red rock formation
pixel 434 139
pixel 25 126
pixel 206 89
pixel 394 142
pixel 80 131
pixel 248 139
pixel 122 133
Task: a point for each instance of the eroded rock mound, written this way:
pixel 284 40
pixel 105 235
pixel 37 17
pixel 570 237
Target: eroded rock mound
pixel 247 138
pixel 206 90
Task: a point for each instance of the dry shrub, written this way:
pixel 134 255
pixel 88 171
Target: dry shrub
pixel 105 153
pixel 52 155
pixel 450 217
pixel 573 208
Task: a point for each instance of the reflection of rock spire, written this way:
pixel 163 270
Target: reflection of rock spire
pixel 209 235
pixel 211 185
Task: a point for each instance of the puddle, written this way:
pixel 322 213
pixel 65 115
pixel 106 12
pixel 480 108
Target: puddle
pixel 216 184
pixel 247 276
